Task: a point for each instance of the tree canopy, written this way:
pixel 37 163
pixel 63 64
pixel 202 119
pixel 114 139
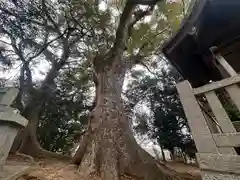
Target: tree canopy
pixel 165 121
pixel 88 48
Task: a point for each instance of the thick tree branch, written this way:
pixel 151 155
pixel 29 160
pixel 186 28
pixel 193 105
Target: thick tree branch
pixel 66 50
pixel 183 7
pixel 14 45
pixel 21 80
pixel 26 83
pixel 126 23
pixel 29 76
pixel 4 42
pixel 45 46
pixel 122 29
pixel 48 54
pixel 138 16
pixel 57 65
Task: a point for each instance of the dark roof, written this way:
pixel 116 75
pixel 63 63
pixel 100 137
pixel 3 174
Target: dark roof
pixel 210 23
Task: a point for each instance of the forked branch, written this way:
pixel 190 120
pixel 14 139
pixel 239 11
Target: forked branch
pixel 127 22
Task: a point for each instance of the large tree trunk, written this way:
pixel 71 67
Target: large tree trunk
pixel 26 141
pixel 108 149
pixel 30 144
pixel 163 154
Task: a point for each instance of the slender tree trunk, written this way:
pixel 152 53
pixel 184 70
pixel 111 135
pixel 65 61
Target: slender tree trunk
pixel 185 159
pixel 108 149
pixel 172 155
pixel 26 141
pixel 29 144
pixel 163 154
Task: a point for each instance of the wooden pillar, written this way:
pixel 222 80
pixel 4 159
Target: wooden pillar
pixel 226 66
pixel 197 123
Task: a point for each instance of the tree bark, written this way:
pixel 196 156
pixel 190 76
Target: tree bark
pixel 108 149
pixel 26 142
pixel 172 155
pixel 163 154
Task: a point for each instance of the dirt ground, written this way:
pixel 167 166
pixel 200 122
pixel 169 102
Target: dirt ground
pixel 53 169
pixel 45 169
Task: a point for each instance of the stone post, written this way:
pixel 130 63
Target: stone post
pixel 10 122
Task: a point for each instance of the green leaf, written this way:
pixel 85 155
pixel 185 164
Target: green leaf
pixel 174 13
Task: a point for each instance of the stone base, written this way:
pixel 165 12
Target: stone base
pixel 208 175
pixel 11 172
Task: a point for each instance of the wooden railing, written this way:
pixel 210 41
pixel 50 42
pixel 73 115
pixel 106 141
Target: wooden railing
pixel 215 137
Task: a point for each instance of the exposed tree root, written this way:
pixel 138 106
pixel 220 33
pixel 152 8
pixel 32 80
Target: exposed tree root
pixel 77 158
pixel 48 154
pixel 26 156
pixel 42 153
pixel 36 151
pixel 30 146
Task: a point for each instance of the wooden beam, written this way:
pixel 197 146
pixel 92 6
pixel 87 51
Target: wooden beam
pixel 197 123
pixel 227 139
pixel 234 93
pixel 227 67
pixel 217 85
pixel 219 163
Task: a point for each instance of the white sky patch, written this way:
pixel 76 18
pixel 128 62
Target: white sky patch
pixel 115 12
pixel 38 73
pixel 151 146
pixel 41 71
pixel 102 6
